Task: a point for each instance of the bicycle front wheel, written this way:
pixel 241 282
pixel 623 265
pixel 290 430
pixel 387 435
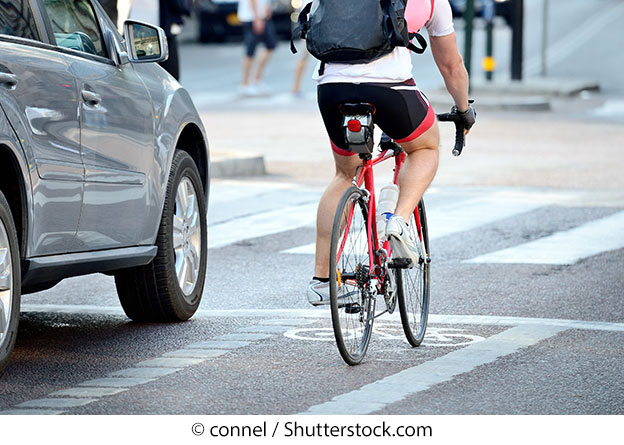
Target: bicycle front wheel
pixel 352 308
pixel 413 284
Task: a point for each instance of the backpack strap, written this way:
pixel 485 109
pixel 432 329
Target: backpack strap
pixel 421 41
pixel 432 9
pixel 321 70
pixel 302 27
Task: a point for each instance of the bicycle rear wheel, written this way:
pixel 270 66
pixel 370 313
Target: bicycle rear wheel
pixel 352 308
pixel 413 285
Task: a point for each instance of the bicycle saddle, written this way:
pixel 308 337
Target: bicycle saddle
pixel 357 109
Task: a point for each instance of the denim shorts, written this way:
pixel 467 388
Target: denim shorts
pixel 251 39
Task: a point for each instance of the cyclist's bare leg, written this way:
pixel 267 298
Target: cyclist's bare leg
pixel 418 171
pixel 345 170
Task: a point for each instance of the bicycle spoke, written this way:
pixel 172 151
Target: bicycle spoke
pixel 350 304
pixel 414 289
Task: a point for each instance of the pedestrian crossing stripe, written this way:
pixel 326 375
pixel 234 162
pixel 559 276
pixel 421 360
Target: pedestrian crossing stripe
pixel 564 248
pixel 468 214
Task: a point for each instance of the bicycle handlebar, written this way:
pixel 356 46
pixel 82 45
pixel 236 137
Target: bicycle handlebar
pixel 460 140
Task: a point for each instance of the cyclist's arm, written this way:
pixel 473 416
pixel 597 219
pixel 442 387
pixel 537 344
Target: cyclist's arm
pixel 451 66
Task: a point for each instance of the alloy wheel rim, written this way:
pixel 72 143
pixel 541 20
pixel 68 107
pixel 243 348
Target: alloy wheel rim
pixel 187 236
pixel 6 282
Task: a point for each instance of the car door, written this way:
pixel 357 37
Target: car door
pixel 117 129
pixel 38 93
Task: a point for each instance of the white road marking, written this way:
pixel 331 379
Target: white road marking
pixel 243 337
pixel 262 224
pixel 376 396
pixel 143 372
pixel 323 313
pixel 389 391
pixel 195 353
pixel 459 216
pixel 117 382
pixel 265 329
pixel 567 247
pixel 169 362
pixel 435 336
pixel 87 392
pixel 219 345
pixel 31 412
pixel 68 402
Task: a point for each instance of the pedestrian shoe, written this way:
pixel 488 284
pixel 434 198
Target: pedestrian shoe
pixel 249 91
pixel 401 243
pixel 318 293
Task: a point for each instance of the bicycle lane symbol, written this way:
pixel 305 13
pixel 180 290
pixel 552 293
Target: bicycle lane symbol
pixel 435 336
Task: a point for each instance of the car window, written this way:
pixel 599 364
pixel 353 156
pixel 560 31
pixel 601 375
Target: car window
pixel 16 19
pixel 75 25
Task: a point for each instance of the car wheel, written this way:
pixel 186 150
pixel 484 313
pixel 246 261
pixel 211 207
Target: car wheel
pixel 10 282
pixel 170 287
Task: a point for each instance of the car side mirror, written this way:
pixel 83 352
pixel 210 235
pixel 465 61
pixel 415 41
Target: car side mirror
pixel 146 43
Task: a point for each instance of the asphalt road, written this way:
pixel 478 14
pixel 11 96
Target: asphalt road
pixel 527 286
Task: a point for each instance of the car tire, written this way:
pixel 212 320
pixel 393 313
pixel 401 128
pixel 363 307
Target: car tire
pixel 10 282
pixel 171 286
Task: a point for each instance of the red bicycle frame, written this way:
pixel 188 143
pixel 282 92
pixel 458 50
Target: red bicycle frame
pixel 365 176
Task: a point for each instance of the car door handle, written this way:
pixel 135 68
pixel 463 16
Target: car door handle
pixel 8 80
pixel 91 98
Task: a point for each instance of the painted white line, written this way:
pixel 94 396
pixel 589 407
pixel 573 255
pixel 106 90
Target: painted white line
pixel 219 345
pixel 394 388
pixel 265 329
pixel 195 353
pixel 323 313
pixel 462 215
pixel 144 373
pixel 68 402
pixel 567 247
pixel 117 382
pixel 31 412
pixel 286 322
pixel 243 337
pixel 263 224
pixel 166 362
pixel 87 392
pixel 235 201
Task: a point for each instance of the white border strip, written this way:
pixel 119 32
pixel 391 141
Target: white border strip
pixel 492 320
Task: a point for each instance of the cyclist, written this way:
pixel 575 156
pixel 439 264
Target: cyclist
pixel 403 113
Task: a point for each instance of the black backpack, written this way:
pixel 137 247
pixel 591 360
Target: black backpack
pixel 355 31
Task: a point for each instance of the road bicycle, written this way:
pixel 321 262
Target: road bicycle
pixel 362 267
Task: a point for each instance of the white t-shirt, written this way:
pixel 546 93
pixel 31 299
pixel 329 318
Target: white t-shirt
pixel 245 11
pixel 393 67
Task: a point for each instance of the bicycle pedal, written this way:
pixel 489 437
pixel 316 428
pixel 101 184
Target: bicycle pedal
pixel 400 263
pixel 353 308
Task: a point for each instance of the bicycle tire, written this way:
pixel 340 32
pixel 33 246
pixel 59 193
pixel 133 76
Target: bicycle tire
pixel 352 313
pixel 414 287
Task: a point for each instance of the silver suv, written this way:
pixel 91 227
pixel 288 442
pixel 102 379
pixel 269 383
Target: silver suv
pixel 104 164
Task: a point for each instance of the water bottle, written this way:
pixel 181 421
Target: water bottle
pixel 388 197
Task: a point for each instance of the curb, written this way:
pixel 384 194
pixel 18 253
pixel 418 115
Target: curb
pixel 507 103
pixel 236 163
pixel 536 87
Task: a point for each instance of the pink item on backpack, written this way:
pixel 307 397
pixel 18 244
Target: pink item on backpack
pixel 417 13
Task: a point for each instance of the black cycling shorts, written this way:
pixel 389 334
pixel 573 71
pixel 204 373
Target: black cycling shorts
pixel 251 39
pixel 403 112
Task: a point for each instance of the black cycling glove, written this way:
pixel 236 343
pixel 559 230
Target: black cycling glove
pixel 468 117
